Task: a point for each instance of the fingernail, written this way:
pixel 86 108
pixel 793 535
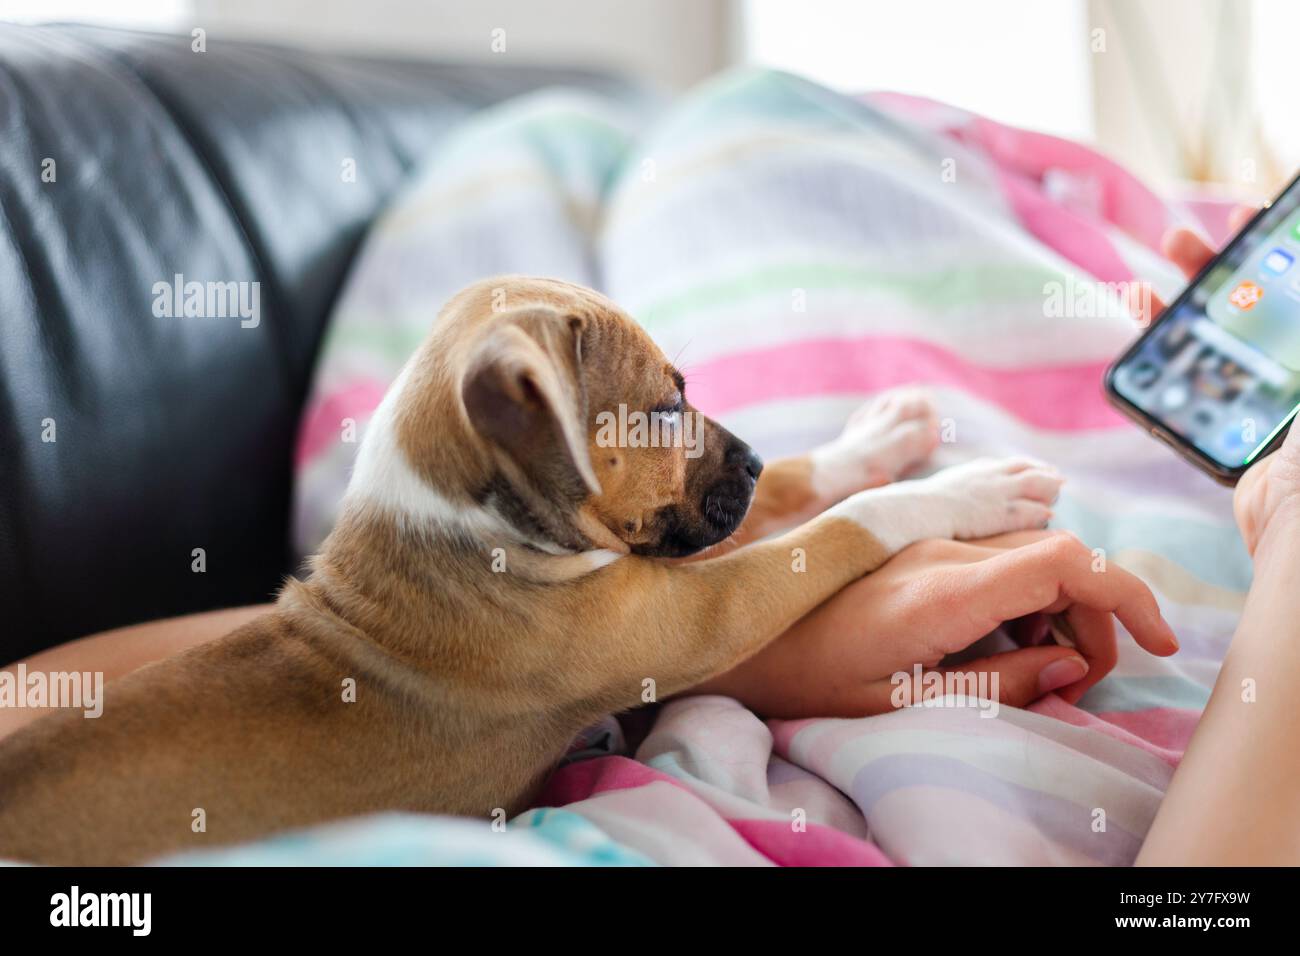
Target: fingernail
pixel 1061 673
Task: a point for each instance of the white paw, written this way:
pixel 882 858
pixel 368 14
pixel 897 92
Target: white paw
pixel 995 495
pixel 980 498
pixel 884 439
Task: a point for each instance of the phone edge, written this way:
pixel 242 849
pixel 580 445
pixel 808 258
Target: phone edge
pixel 1184 449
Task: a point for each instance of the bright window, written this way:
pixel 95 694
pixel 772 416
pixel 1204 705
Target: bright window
pixel 143 14
pixel 1024 62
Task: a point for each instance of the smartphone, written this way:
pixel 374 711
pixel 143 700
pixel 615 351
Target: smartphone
pixel 1217 375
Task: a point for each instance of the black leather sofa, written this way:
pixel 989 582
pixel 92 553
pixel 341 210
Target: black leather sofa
pixel 128 441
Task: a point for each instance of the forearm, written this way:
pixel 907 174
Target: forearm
pixel 125 649
pixel 1235 799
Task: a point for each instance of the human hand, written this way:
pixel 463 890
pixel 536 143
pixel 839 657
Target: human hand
pixel 1267 498
pixel 936 598
pixel 1272 486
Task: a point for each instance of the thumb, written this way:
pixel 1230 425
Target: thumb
pixel 1020 677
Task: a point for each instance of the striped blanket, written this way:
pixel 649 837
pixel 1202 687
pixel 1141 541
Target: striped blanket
pixel 796 250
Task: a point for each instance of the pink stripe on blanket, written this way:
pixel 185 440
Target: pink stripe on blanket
pixel 1064 397
pixel 586 778
pixel 1075 237
pixel 323 421
pixel 1161 731
pixel 1024 161
pixel 816 846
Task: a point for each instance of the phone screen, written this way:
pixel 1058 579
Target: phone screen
pixel 1220 370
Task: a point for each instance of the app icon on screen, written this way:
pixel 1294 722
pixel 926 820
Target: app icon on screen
pixel 1232 439
pixel 1246 296
pixel 1278 261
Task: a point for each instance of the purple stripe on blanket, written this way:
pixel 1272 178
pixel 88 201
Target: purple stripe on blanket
pixel 1062 821
pixel 783 771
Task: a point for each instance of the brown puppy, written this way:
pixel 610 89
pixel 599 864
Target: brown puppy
pixel 491 587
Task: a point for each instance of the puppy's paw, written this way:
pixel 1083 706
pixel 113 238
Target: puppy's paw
pixel 995 495
pixel 975 500
pixel 883 440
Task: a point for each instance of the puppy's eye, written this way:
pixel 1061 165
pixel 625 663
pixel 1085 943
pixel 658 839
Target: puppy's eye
pixel 671 407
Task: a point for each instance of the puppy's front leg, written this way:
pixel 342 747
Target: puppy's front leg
pixel 705 618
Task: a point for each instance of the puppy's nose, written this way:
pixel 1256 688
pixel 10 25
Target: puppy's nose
pixel 743 457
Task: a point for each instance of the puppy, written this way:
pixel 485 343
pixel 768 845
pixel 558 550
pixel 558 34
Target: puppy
pixel 492 586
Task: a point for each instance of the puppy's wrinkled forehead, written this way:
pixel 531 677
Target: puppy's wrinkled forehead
pixel 538 360
pixel 622 365
pixel 618 361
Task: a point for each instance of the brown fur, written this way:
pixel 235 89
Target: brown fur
pixel 470 683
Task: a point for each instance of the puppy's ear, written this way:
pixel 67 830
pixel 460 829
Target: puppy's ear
pixel 523 392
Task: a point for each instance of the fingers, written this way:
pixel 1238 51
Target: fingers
pixel 1010 576
pixel 1093 634
pixel 1190 252
pixel 1015 678
pixel 1187 250
pixel 1055 574
pixel 1089 631
pixel 1025 675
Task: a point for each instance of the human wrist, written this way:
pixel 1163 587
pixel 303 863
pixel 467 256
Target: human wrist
pixel 745 682
pixel 1279 545
pixel 776 681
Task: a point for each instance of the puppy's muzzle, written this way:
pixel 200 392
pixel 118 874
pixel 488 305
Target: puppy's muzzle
pixel 727 500
pixel 697 524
